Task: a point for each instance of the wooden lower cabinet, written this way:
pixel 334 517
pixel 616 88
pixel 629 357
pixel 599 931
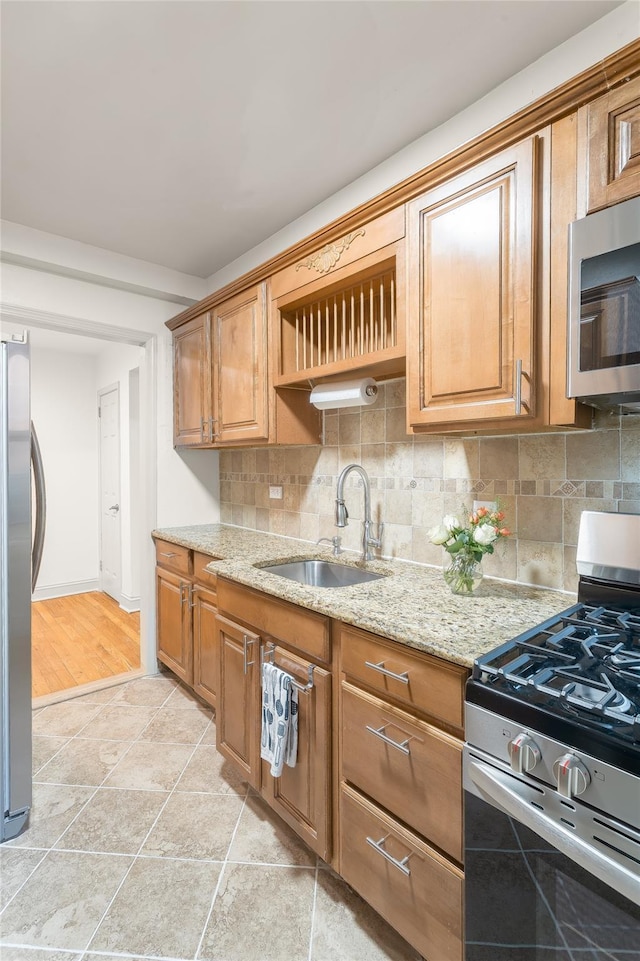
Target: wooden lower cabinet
pixel 400 767
pixel 302 794
pixel 251 626
pixel 238 714
pixel 410 884
pixel 377 786
pixel 205 648
pixel 173 623
pixel 186 640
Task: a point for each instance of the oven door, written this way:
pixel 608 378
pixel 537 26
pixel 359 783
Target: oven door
pixel 525 898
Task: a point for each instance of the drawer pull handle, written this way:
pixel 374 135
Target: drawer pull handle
pixel 400 865
pixel 403 678
pixel 168 553
pixel 379 732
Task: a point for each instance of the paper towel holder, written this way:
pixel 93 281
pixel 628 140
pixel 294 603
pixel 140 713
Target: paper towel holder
pixel 346 393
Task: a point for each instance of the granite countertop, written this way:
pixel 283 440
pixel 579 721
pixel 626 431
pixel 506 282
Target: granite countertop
pixel 412 605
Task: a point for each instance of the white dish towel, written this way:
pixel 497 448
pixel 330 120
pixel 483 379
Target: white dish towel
pixel 279 742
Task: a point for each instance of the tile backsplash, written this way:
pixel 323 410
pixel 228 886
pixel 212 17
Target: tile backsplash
pixel 541 481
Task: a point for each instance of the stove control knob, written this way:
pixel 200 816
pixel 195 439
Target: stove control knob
pixel 524 753
pixel 572 776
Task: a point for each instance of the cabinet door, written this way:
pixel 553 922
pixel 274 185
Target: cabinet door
pixel 613 148
pixel 471 294
pixel 173 624
pixel 302 794
pixel 205 646
pixel 238 713
pixel 239 348
pixel 191 383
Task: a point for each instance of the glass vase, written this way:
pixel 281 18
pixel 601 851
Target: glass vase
pixel 462 573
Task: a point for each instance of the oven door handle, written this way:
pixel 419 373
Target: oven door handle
pixel 495 787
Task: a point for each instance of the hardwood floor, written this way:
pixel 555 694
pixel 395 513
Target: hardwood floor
pixel 81 638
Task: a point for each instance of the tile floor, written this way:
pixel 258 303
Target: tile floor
pixel 144 843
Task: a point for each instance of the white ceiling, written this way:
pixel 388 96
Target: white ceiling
pixel 184 133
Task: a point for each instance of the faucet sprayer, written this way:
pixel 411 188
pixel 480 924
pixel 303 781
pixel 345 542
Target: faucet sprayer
pixel 342 514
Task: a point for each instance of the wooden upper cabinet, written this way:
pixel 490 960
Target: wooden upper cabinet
pixel 191 383
pixel 611 126
pixel 221 374
pixel 472 244
pixel 239 368
pixel 341 311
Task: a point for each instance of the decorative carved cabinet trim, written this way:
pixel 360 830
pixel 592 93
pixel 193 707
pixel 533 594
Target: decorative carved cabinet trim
pixel 326 258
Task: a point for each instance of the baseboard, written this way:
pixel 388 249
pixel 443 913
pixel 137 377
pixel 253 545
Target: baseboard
pixel 64 590
pixel 129 604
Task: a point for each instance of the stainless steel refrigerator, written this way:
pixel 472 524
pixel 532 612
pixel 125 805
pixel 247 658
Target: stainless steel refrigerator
pixel 20 552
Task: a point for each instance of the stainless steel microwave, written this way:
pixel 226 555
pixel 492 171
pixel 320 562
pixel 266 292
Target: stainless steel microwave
pixel 604 307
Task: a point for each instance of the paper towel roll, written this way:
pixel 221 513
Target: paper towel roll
pixel 347 393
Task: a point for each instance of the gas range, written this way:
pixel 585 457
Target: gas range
pixel 553 716
pixel 576 677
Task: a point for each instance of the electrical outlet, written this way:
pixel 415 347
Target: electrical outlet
pixel 275 493
pixel 490 505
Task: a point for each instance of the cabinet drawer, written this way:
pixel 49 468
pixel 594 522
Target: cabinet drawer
pixel 292 625
pixel 202 576
pixel 173 556
pixel 421 898
pixel 425 683
pixel 417 777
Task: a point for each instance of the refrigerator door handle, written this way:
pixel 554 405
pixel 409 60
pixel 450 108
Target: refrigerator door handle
pixel 40 507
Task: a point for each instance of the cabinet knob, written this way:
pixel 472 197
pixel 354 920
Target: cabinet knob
pixel 572 776
pixel 524 753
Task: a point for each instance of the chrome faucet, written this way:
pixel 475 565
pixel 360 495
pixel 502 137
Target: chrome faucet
pixel 342 514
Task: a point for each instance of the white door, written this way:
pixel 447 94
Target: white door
pixel 110 552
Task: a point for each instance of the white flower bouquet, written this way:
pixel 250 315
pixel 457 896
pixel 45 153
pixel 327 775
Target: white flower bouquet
pixel 467 543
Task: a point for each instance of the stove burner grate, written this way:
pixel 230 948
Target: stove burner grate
pixel 584 662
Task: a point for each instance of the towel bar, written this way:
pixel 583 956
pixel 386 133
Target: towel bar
pixel 268 653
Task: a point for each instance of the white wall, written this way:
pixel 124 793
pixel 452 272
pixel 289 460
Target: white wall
pixel 63 410
pixel 598 41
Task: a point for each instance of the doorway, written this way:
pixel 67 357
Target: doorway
pixel 86 627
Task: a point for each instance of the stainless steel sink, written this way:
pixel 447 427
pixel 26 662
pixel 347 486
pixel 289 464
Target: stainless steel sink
pixel 315 573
